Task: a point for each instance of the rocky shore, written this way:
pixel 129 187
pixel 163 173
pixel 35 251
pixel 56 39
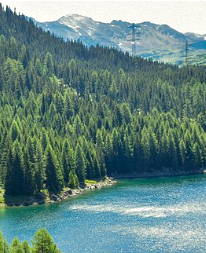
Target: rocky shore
pixel 67 193
pixel 46 198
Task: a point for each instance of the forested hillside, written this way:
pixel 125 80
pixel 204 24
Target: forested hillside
pixel 70 113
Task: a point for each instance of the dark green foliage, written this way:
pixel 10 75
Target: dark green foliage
pixel 54 177
pixel 80 164
pixel 15 174
pixel 73 180
pixel 42 243
pixel 69 112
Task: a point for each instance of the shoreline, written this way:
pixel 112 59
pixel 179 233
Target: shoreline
pixel 42 198
pixel 158 174
pixel 68 193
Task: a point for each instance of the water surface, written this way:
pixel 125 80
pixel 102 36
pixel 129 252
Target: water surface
pixel 135 216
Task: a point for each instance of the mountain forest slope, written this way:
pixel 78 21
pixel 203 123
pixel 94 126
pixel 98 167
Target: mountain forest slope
pixel 70 113
pixel 158 42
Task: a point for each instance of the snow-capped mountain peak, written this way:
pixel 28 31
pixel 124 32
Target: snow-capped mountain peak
pixel 153 40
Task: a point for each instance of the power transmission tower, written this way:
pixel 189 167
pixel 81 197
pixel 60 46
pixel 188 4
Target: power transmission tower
pixel 186 53
pixel 133 40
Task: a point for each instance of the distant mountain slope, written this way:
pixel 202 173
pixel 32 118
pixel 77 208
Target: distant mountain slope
pixel 160 42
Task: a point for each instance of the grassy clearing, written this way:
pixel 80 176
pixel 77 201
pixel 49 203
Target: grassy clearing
pixel 88 181
pixel 2 200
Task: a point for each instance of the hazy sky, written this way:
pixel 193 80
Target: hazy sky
pixel 185 16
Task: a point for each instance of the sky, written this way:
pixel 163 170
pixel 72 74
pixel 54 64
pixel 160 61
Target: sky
pixel 184 16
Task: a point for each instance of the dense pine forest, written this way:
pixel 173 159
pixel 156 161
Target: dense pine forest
pixel 42 243
pixel 70 113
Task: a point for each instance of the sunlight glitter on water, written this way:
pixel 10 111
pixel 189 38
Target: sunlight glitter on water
pixel 136 216
pixel 144 211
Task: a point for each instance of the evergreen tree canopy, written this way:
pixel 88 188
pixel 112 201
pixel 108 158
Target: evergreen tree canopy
pixel 42 243
pixel 70 113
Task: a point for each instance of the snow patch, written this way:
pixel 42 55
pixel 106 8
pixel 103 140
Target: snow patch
pixel 71 25
pixel 76 17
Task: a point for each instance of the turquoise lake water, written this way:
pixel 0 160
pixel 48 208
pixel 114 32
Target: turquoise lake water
pixel 134 216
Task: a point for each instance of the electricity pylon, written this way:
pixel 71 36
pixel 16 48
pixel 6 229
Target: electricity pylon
pixel 133 40
pixel 186 52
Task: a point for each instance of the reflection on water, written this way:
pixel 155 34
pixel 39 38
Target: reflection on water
pixel 135 216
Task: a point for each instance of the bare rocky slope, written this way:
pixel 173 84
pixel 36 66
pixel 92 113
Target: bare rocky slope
pixel 159 42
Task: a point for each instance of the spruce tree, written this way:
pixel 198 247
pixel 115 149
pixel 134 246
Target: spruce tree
pixel 80 165
pixel 54 177
pixel 14 184
pixel 43 243
pixel 73 180
pixel 4 248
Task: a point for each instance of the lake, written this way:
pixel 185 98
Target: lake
pixel 134 216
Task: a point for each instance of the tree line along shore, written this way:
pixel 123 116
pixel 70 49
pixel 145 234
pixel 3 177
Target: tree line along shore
pixel 45 197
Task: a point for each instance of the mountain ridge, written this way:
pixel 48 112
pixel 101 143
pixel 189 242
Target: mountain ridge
pixel 157 41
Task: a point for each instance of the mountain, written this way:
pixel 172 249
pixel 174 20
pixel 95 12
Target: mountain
pixel 159 42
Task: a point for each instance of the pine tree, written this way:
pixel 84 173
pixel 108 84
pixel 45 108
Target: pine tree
pixel 14 132
pixel 39 168
pixel 54 177
pixel 26 248
pixel 16 246
pixel 68 160
pixel 80 165
pixel 43 243
pixel 73 180
pixel 4 248
pixel 14 184
pixel 29 176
